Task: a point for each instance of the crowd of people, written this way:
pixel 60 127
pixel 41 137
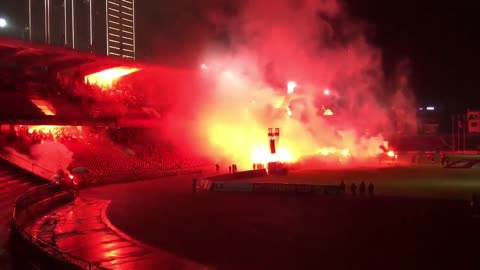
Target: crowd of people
pixel 22 138
pixel 106 152
pixel 77 89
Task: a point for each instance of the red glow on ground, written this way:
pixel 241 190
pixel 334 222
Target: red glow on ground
pixel 106 78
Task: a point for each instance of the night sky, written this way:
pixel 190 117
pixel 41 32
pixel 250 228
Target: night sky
pixel 439 39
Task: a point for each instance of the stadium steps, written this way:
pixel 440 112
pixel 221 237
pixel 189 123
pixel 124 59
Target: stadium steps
pixel 13 182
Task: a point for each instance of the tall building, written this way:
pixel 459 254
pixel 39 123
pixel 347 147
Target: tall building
pixel 120 28
pixel 99 26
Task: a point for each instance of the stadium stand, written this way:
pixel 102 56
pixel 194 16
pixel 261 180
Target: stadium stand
pixel 105 159
pixel 419 143
pixel 101 152
pixel 60 78
pixel 23 107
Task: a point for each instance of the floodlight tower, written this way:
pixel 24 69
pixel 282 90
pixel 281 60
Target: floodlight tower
pixel 273 136
pixel 3 23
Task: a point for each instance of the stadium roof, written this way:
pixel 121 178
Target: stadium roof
pixel 24 54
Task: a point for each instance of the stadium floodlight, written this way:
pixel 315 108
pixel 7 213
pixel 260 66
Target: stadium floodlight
pixel 430 108
pixel 3 23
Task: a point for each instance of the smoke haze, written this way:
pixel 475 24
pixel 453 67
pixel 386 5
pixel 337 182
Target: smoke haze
pixel 224 109
pixel 52 156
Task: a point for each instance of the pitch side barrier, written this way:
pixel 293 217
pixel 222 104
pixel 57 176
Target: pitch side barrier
pixel 222 186
pixel 239 175
pixel 461 160
pixel 227 183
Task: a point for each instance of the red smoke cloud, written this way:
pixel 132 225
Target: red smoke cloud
pixel 224 108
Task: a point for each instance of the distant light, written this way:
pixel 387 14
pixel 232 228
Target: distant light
pixel 3 23
pixel 291 87
pixel 203 66
pixel 228 73
pixel 430 108
pixel 326 92
pixel 289 112
pixel 420 109
pixel 106 78
pixel 328 112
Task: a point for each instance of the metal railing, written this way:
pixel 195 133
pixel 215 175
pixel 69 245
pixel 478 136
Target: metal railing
pixel 46 197
pixel 38 200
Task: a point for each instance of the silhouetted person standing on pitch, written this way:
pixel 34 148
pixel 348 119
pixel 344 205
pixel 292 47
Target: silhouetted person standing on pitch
pixel 362 188
pixel 475 204
pixel 194 184
pixel 217 167
pixel 230 169
pixel 371 189
pixel 353 188
pixel 342 187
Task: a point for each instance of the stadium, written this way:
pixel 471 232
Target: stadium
pixel 115 164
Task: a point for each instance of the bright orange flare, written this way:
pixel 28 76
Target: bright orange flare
pixel 263 156
pixel 346 152
pixel 45 106
pixel 291 87
pixel 56 131
pixel 328 112
pixel 106 78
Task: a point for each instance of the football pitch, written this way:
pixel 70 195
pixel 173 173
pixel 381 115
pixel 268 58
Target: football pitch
pixel 431 181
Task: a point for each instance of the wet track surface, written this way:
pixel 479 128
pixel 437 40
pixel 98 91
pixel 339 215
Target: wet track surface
pixel 160 224
pixel 81 229
pixel 275 231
